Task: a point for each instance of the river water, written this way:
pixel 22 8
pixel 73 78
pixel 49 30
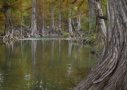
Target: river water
pixel 43 64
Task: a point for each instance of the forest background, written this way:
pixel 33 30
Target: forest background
pixel 48 14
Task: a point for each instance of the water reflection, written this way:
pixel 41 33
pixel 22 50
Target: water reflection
pixel 70 49
pixel 8 52
pixel 43 65
pixel 52 53
pixel 60 47
pixel 33 49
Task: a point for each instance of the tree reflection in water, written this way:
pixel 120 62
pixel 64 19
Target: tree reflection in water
pixel 43 65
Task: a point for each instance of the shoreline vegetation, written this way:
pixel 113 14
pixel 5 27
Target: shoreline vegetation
pixel 76 37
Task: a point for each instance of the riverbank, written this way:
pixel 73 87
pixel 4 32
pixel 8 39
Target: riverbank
pixel 83 40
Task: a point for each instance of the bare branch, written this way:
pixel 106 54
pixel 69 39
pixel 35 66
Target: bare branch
pixel 74 2
pixel 102 17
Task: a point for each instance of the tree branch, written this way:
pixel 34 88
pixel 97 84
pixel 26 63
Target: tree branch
pixel 102 17
pixel 73 26
pixel 74 2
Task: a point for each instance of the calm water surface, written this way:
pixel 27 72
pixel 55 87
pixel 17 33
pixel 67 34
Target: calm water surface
pixel 43 64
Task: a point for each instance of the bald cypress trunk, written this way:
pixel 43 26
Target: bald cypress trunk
pixel 100 24
pixel 21 23
pixel 79 23
pixel 110 72
pixel 72 16
pixel 60 17
pixel 52 27
pixel 33 20
pixel 43 20
pixel 70 26
pixel 92 18
pixel 7 23
pixel 11 23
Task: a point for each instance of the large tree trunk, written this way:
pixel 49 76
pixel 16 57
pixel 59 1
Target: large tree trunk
pixel 21 23
pixel 43 18
pixel 72 16
pixel 7 22
pixel 60 17
pixel 110 72
pixel 92 18
pixel 33 21
pixel 70 26
pixel 79 23
pixel 100 24
pixel 52 27
pixel 11 23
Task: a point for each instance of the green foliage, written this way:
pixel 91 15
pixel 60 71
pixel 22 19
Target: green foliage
pixel 16 6
pixel 104 6
pixel 1 32
pixel 93 26
pixel 85 23
pixel 26 26
pixel 70 16
pixel 47 27
pixel 64 32
pixel 76 8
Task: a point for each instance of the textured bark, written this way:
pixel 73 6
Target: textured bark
pixel 52 27
pixel 11 23
pixel 79 23
pixel 43 18
pixel 110 72
pixel 21 22
pixel 60 16
pixel 100 25
pixel 33 21
pixel 92 18
pixel 70 26
pixel 72 16
pixel 7 22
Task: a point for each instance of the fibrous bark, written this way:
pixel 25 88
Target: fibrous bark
pixel 70 26
pixel 100 24
pixel 60 17
pixel 11 25
pixel 92 18
pixel 21 22
pixel 52 27
pixel 72 16
pixel 43 18
pixel 7 22
pixel 79 23
pixel 110 72
pixel 33 21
